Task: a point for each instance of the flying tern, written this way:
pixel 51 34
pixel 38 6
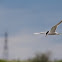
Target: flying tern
pixel 52 31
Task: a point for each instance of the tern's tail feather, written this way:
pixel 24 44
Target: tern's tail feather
pixel 60 33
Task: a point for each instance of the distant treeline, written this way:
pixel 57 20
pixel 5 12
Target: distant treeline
pixel 39 57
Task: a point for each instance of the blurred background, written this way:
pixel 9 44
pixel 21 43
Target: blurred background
pixel 19 19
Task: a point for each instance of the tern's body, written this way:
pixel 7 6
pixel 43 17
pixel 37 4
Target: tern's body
pixel 52 31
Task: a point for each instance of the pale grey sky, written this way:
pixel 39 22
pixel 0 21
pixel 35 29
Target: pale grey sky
pixel 21 18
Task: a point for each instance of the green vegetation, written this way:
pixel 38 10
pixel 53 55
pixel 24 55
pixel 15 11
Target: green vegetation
pixel 45 57
pixel 32 60
pixel 39 57
pixel 3 61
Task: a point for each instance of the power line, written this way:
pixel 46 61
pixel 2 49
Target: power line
pixel 5 52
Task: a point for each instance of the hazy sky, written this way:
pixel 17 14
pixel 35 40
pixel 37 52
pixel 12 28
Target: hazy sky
pixel 21 18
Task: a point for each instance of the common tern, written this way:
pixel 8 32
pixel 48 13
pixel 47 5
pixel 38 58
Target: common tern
pixel 52 31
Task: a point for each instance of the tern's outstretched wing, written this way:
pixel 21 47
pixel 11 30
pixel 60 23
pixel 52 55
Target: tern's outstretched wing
pixel 53 29
pixel 40 33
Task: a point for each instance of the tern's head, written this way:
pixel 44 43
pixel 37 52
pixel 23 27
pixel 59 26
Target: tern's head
pixel 47 32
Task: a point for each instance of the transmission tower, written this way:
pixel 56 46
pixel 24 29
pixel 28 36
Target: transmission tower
pixel 5 52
